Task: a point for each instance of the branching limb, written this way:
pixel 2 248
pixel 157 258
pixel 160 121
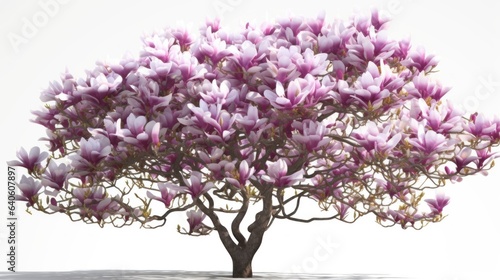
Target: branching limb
pixel 221 229
pixel 235 225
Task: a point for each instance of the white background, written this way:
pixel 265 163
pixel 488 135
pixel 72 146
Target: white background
pixel 77 33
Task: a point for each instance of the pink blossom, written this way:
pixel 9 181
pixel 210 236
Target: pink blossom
pixel 195 219
pixel 243 174
pixel 437 204
pixel 281 65
pixel 295 94
pixel 403 48
pixel 194 185
pixel 483 126
pixel 167 193
pixel 312 135
pixel 370 48
pixel 442 119
pixel 420 60
pixel 342 209
pixel 463 158
pixel 92 152
pixel 425 87
pixel 310 63
pixel 85 196
pixel 160 47
pixel 29 161
pixel 56 176
pixel 277 174
pixel 374 138
pixel 29 190
pixel 484 157
pixel 251 120
pixel 429 141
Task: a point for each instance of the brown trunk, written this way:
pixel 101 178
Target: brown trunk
pixel 242 265
pixel 242 252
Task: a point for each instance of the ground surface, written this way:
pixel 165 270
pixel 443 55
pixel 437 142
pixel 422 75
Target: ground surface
pixel 171 275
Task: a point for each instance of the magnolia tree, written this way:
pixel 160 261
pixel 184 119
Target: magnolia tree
pixel 237 129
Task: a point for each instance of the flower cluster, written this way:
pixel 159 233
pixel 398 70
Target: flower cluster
pixel 336 112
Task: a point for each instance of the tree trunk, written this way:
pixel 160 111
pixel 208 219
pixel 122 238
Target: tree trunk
pixel 243 252
pixel 242 265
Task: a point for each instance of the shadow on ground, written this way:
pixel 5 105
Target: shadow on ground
pixel 171 275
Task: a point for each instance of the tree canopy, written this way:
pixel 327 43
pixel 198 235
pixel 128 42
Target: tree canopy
pixel 276 114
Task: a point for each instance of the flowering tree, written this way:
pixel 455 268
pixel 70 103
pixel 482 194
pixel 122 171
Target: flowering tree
pixel 262 120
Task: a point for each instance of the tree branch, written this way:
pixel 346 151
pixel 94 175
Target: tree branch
pixel 221 229
pixel 235 225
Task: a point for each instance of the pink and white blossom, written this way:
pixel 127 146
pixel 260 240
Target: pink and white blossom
pixel 437 204
pixel 195 219
pixel 30 160
pixel 29 190
pixel 277 174
pixel 295 94
pixel 167 193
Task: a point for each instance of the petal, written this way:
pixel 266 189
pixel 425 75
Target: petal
pixel 155 133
